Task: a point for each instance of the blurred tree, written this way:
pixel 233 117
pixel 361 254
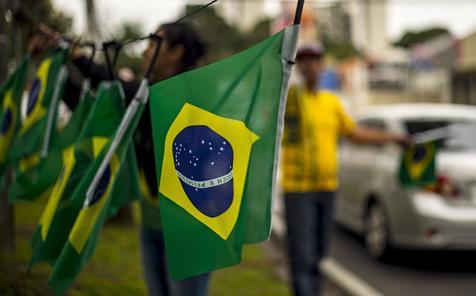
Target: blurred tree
pixel 18 21
pixel 4 40
pixel 340 50
pixel 41 11
pixel 27 15
pixel 335 28
pixel 411 38
pixel 94 30
pixel 6 211
pixel 261 31
pixel 223 39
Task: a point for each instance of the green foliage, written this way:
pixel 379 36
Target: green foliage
pixel 412 38
pixel 42 11
pixel 261 31
pixel 116 266
pixel 341 51
pixel 24 24
pixel 251 277
pixel 223 39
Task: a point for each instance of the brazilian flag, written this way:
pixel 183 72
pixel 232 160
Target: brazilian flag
pixel 43 98
pixel 10 99
pixel 60 212
pixel 35 180
pixel 107 196
pixel 418 163
pixel 69 133
pixel 217 132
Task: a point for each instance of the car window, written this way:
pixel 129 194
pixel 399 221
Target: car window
pixel 373 123
pixel 462 132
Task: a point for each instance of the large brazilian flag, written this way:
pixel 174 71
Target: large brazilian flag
pixel 418 165
pixel 217 132
pixel 63 208
pixel 108 195
pixel 35 181
pixel 45 93
pixel 10 100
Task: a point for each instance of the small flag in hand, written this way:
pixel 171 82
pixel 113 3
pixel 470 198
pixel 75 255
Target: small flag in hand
pixel 417 166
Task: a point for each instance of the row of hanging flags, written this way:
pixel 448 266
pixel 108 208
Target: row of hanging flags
pixel 60 163
pixel 216 131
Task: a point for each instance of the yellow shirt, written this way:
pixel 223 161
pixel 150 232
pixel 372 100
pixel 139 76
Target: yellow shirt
pixel 314 123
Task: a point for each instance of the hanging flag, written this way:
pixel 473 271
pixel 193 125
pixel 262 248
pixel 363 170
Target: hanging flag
pixel 68 135
pixel 106 196
pixel 217 132
pixel 417 166
pixel 10 99
pixel 45 92
pixel 37 179
pixel 60 212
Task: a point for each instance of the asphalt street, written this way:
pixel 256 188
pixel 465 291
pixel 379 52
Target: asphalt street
pixel 410 272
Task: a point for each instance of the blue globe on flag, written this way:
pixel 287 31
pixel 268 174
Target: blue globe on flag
pixel 33 95
pixel 203 161
pixel 102 186
pixel 419 154
pixel 7 122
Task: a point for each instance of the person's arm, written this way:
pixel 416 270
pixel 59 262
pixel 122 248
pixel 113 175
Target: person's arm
pixel 374 136
pixel 98 73
pixel 363 135
pixel 95 72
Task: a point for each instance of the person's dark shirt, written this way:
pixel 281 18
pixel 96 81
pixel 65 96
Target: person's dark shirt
pixel 143 136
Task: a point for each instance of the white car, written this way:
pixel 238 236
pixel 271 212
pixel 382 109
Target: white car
pixel 372 202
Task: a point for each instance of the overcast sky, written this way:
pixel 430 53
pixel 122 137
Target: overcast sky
pixel 457 15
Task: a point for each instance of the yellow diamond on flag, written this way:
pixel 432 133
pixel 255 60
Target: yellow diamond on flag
pixel 47 217
pixel 90 212
pixel 7 126
pixel 205 165
pixel 35 107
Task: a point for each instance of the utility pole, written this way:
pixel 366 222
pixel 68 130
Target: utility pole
pixel 7 227
pixel 92 22
pixel 4 39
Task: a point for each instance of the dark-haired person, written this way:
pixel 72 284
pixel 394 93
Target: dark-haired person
pixel 314 122
pixel 180 51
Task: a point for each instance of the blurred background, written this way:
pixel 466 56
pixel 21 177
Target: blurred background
pixel 377 52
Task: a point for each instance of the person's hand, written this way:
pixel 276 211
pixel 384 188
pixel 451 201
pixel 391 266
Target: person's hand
pixel 36 44
pixel 44 40
pixel 404 141
pixel 76 50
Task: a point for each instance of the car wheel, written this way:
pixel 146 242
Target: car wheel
pixel 377 233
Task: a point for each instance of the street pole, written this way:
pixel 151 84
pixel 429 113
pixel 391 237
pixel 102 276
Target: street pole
pixel 92 21
pixel 4 41
pixel 7 227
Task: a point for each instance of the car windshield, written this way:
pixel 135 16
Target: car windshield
pixel 462 133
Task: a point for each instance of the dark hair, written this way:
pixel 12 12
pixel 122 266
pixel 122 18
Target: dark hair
pixel 183 34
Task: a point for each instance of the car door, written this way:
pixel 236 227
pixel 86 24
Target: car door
pixel 356 172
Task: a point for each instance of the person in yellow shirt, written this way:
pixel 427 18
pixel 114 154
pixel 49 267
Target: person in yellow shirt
pixel 315 120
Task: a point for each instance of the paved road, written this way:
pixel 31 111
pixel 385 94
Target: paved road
pixel 412 273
